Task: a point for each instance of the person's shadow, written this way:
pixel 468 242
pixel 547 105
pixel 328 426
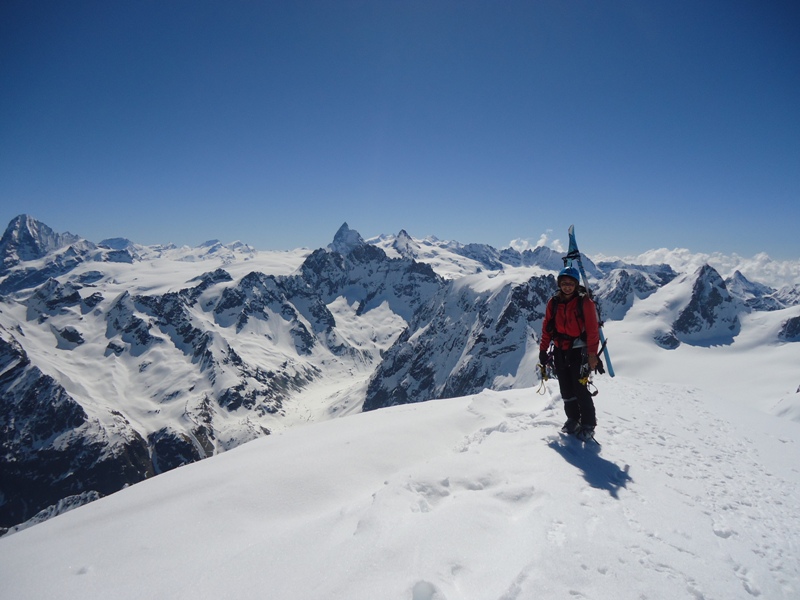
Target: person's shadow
pixel 597 471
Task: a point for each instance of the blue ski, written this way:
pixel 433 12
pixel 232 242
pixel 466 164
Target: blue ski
pixel 574 256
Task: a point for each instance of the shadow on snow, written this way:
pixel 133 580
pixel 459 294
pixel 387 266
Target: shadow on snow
pixel 597 471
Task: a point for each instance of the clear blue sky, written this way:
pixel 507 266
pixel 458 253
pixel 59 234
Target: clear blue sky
pixel 648 124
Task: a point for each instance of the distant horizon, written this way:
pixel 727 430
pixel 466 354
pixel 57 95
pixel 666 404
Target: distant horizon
pixel 760 267
pixel 547 238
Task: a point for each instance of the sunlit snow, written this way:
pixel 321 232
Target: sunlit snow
pixel 694 493
pixel 691 497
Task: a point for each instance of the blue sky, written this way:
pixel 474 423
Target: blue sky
pixel 647 124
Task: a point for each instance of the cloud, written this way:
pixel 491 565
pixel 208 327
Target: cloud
pixel 520 245
pixel 760 268
pixel 544 240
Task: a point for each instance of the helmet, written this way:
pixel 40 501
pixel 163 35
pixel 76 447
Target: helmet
pixel 569 272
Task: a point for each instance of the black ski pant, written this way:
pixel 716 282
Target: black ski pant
pixel 578 402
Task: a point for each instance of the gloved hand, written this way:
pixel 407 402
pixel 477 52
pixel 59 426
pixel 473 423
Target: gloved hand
pixel 542 357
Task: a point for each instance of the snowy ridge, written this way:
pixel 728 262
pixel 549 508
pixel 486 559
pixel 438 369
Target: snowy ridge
pixel 452 259
pixel 475 497
pixel 170 355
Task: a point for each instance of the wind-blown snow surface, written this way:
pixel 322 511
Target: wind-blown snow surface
pixel 468 498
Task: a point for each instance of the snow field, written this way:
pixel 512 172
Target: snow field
pixel 480 497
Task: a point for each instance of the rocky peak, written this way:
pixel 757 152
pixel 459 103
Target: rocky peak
pixel 742 287
pixel 346 240
pixel 757 296
pixel 486 255
pixel 712 314
pixel 26 238
pixel 618 291
pixel 405 245
pixel 543 256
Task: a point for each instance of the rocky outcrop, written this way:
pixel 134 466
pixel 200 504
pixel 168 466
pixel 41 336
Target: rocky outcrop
pixel 462 342
pixel 51 447
pixel 712 315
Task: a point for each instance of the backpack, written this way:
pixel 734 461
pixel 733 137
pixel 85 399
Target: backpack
pixel 583 293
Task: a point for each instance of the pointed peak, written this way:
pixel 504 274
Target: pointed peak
pixel 738 278
pixel 345 240
pixel 405 245
pixel 22 224
pixel 739 284
pixel 707 271
pixel 343 230
pixel 26 238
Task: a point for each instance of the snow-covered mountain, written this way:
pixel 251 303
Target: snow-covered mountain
pixel 623 284
pixel 453 259
pixel 472 336
pixel 119 362
pixel 27 239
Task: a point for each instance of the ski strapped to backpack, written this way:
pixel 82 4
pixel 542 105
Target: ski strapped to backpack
pixel 573 257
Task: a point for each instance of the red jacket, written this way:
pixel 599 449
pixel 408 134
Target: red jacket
pixel 569 323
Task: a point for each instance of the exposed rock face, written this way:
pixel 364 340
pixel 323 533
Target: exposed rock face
pixel 27 239
pixel 712 315
pixel 620 289
pixel 52 449
pixel 461 343
pixel 790 330
pixel 755 295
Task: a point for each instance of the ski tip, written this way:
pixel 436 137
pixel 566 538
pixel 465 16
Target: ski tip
pixel 571 229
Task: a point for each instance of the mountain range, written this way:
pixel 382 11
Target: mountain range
pixel 119 362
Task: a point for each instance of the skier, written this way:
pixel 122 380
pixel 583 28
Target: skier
pixel 570 323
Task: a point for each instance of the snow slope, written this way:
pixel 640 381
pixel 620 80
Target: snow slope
pixel 692 497
pixel 756 369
